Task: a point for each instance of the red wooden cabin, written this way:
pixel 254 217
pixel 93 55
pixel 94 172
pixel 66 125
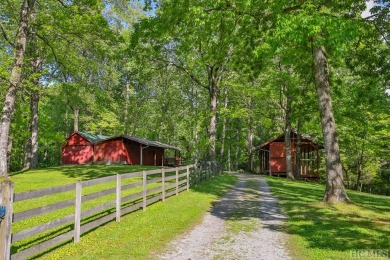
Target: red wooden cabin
pixel 83 148
pixel 131 150
pixel 272 157
pixel 79 148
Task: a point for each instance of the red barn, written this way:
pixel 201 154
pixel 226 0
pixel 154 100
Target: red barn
pixel 131 150
pixel 272 156
pixel 121 149
pixel 79 148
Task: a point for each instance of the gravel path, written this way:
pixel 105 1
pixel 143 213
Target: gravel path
pixel 245 224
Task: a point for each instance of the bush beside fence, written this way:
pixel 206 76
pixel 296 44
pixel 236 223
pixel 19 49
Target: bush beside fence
pixel 132 191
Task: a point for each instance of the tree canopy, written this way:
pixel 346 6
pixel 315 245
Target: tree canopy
pixel 216 78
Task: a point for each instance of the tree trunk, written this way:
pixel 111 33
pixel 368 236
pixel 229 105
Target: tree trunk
pixel 238 130
pixel 127 99
pixel 359 172
pixel 9 150
pixel 229 159
pixel 223 141
pixel 213 120
pixel 287 143
pixel 359 176
pixel 196 145
pixel 34 118
pixel 348 178
pixel 250 138
pixel 298 150
pixel 250 146
pixel 27 154
pixel 34 128
pixel 76 111
pixel 360 163
pixel 195 126
pixel 287 138
pixel 32 148
pixel 223 136
pixel 15 80
pixel 335 191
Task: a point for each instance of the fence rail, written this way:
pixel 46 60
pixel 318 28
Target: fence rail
pixel 132 191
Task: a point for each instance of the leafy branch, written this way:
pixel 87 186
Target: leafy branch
pixel 3 32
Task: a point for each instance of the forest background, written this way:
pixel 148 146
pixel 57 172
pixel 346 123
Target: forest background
pixel 214 77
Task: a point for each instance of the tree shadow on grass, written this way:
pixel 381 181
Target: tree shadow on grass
pixel 247 201
pixel 339 227
pixel 99 171
pixel 87 172
pixel 216 188
pixel 342 227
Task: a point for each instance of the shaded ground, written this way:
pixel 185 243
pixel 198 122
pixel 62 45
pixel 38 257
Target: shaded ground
pixel 245 224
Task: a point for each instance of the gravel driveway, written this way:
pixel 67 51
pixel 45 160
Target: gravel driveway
pixel 245 224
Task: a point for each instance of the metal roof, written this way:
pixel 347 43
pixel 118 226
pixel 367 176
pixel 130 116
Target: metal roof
pixel 143 141
pixel 303 136
pixel 150 143
pixel 92 137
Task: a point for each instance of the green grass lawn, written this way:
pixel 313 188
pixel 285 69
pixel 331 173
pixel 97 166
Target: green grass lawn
pixel 142 234
pixel 57 176
pixel 137 236
pixel 331 231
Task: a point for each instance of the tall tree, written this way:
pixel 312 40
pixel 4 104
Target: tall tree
pixel 67 51
pixel 14 82
pixel 32 149
pixel 287 136
pixel 335 190
pixel 314 26
pixel 197 42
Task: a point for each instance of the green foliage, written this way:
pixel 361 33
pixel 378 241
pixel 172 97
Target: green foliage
pixel 364 132
pixel 148 74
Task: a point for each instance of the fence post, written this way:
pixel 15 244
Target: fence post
pixel 118 197
pixel 77 214
pixel 163 184
pixel 177 181
pixel 144 190
pixel 6 200
pixel 188 178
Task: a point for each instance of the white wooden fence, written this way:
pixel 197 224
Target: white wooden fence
pixel 142 189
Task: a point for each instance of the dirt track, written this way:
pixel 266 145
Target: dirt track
pixel 245 224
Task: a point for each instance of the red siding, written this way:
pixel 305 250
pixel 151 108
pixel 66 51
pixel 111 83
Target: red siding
pixel 278 157
pixel 148 156
pixel 133 152
pixel 77 139
pixel 77 150
pixel 272 156
pixel 153 156
pixel 160 156
pixel 111 151
pixel 277 149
